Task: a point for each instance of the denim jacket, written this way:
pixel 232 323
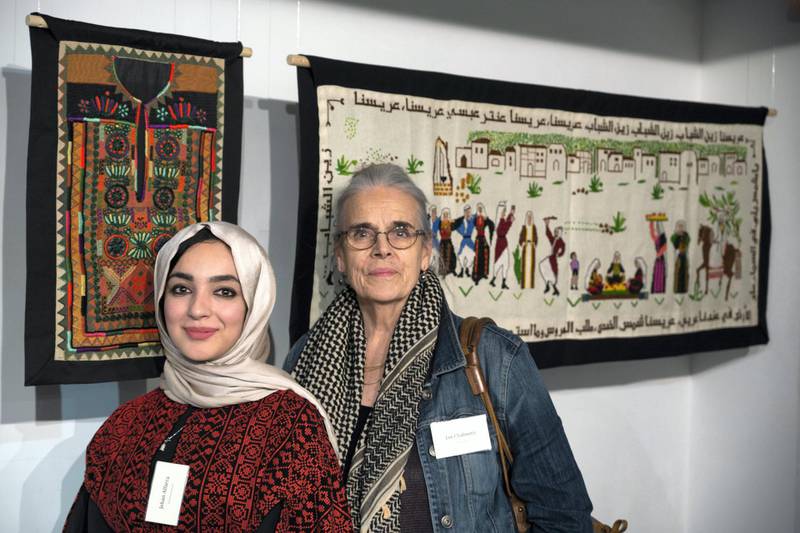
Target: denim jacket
pixel 465 493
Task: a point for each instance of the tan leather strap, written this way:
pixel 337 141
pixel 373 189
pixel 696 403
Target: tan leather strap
pixel 619 526
pixel 470 336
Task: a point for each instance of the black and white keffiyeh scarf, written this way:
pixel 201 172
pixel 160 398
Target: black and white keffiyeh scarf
pixel 331 367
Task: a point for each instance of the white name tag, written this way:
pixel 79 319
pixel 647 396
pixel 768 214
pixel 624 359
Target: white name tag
pixel 166 493
pixel 460 436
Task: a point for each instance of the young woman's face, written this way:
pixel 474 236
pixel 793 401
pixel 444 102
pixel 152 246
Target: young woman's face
pixel 204 309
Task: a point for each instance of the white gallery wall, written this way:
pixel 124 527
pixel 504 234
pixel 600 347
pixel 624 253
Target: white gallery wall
pixel 699 443
pixel 744 453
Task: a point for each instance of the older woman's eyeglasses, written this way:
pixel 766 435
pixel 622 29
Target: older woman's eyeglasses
pixel 363 237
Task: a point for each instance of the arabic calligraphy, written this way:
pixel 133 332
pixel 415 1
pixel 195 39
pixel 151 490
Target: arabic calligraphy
pixel 639 164
pixel 643 322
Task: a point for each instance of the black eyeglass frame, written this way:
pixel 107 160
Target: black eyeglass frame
pixel 416 233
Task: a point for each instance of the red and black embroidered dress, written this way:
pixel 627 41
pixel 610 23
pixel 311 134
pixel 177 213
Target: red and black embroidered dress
pixel 257 466
pixel 480 266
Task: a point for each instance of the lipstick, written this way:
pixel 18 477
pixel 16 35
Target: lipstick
pixel 199 334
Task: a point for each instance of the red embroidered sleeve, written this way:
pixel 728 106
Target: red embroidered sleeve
pixel 317 500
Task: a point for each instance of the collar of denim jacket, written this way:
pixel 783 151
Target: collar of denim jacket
pixel 448 355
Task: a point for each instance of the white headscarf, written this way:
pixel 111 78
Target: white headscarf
pixel 241 374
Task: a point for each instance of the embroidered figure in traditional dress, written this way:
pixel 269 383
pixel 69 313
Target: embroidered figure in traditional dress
pixel 615 274
pixel 594 280
pixel 636 283
pixel 574 267
pixel 680 240
pixel 528 239
pixel 480 266
pixel 435 222
pixel 447 254
pixel 659 237
pixel 548 267
pixel 502 255
pixel 464 226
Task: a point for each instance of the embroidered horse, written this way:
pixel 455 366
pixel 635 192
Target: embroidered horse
pixel 728 265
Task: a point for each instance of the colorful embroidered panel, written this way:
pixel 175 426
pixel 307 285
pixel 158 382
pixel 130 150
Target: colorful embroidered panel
pixel 594 226
pixel 142 125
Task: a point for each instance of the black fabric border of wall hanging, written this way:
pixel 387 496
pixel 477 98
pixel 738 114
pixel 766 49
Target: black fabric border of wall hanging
pixel 133 135
pixel 383 90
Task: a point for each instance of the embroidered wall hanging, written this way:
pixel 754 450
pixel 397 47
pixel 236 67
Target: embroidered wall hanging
pixel 595 226
pixel 133 136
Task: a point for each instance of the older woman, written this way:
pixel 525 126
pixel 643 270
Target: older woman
pixel 385 362
pixel 227 443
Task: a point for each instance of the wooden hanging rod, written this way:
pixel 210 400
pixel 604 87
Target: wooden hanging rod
pixel 35 21
pixel 297 60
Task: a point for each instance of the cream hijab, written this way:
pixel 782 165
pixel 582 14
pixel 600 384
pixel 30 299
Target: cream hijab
pixel 241 374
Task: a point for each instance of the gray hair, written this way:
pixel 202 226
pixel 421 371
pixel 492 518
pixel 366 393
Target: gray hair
pixel 383 175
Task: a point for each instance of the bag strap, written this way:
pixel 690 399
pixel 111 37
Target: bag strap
pixel 619 526
pixel 470 336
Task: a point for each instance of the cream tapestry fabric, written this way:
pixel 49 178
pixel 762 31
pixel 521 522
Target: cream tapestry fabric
pixel 566 226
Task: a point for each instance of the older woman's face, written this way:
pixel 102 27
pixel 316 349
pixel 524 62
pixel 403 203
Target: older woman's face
pixel 382 274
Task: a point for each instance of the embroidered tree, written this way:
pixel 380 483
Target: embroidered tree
pixel 534 190
pixel 619 223
pixel 723 212
pixel 658 192
pixel 413 165
pixel 343 166
pixel 595 184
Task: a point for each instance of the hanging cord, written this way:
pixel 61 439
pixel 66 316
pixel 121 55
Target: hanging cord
pixel 772 80
pixel 297 36
pixel 238 19
pixel 210 19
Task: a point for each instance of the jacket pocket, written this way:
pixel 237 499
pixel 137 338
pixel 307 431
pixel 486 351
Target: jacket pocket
pixel 481 470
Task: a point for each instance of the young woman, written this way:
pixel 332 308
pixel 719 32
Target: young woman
pixel 253 447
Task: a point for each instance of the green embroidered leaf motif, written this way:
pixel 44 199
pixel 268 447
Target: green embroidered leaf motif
pixel 413 165
pixel 163 219
pixel 119 219
pixel 141 245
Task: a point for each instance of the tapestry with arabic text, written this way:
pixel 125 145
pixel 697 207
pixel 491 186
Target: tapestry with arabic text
pixel 595 226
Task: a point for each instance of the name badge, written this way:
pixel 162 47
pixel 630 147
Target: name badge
pixel 166 493
pixel 461 436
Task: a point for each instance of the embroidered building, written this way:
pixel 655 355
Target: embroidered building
pixel 442 177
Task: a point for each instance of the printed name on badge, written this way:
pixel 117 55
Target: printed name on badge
pixel 461 436
pixel 166 493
